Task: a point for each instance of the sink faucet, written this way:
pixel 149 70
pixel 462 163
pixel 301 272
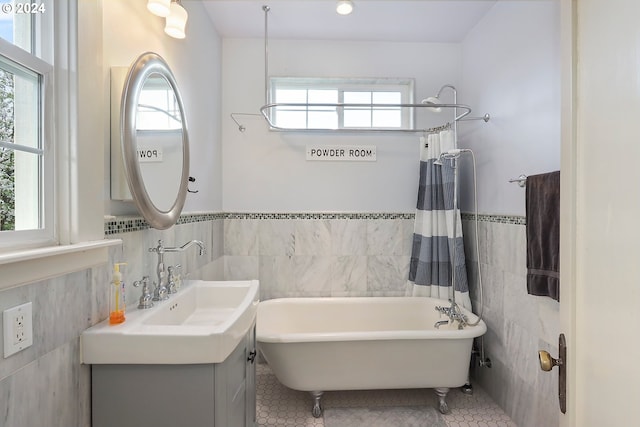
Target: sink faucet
pixel 161 292
pixel 146 300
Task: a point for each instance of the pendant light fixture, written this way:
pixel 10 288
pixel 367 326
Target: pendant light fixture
pixel 159 7
pixel 344 7
pixel 176 20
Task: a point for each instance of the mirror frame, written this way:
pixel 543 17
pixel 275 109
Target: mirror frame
pixel 147 64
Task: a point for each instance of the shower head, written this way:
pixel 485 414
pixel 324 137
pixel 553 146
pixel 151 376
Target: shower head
pixel 433 100
pixel 451 154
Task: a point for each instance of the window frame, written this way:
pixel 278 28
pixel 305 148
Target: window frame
pixel 403 85
pixel 76 183
pixel 46 235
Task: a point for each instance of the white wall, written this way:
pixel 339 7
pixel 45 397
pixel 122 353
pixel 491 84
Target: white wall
pixel 511 69
pixel 130 30
pixel 267 171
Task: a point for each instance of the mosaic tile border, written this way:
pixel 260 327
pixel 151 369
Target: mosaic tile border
pixel 502 219
pixel 117 225
pixel 128 224
pixel 321 215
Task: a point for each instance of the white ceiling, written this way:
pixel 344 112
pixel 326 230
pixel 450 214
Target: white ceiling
pixel 387 20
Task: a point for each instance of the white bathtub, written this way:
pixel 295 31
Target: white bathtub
pixel 360 343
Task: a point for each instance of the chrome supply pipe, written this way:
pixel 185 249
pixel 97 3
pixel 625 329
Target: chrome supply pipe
pixel 266 10
pixel 454 311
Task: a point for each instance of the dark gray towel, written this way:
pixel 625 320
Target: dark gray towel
pixel 543 234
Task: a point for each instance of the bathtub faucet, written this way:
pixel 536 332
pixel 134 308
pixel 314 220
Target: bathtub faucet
pixel 454 313
pixel 161 292
pixel 440 323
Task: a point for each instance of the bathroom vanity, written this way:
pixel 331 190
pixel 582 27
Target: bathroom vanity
pixel 187 361
pixel 194 395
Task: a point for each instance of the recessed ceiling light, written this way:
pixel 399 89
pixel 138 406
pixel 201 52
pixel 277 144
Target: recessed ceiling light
pixel 344 7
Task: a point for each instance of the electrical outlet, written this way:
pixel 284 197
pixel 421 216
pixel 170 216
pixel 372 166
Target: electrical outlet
pixel 18 328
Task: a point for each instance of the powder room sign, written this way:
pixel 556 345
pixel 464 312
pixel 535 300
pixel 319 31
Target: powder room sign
pixel 149 154
pixel 352 153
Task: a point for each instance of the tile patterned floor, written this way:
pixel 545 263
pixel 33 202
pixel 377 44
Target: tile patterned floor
pixel 278 406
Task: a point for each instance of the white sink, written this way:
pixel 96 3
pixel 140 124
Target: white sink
pixel 202 323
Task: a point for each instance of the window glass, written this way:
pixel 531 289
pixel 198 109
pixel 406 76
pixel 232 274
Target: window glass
pixel 26 159
pixel 387 117
pixel 21 159
pixel 357 117
pixel 158 106
pixel 17 28
pixel 367 93
pixel 323 117
pixel 295 117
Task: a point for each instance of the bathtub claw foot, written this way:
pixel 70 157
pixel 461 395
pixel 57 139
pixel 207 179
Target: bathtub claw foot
pixel 467 389
pixel 442 392
pixel 316 411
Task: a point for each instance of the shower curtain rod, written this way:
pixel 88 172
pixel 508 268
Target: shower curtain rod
pixel 269 106
pixel 263 113
pixel 265 108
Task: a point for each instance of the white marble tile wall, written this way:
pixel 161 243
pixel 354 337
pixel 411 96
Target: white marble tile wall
pixel 46 385
pixel 518 324
pixel 358 256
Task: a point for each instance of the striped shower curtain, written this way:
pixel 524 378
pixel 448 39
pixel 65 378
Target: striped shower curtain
pixel 430 270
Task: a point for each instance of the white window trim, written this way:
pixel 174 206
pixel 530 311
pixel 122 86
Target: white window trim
pixel 72 251
pixel 350 84
pixel 27 266
pixel 47 235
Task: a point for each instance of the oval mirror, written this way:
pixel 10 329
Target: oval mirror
pixel 154 139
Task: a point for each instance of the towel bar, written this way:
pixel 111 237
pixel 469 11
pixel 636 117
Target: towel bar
pixel 521 180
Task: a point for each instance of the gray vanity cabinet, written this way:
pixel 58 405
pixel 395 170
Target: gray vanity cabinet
pixel 235 387
pixel 199 395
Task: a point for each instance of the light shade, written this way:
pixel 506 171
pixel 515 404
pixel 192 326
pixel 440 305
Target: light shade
pixel 176 21
pixel 159 7
pixel 344 7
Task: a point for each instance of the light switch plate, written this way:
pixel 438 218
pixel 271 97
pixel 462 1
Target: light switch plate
pixel 18 328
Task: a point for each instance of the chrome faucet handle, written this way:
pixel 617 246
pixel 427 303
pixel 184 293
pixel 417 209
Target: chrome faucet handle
pixel 171 285
pixel 160 290
pixel 159 248
pixel 145 299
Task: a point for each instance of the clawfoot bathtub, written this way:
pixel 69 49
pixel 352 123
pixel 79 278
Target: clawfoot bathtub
pixel 361 343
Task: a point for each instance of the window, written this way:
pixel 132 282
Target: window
pixel 363 103
pixel 158 107
pixel 26 148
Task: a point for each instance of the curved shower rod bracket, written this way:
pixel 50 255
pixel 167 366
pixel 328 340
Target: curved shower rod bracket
pixel 241 127
pixel 486 118
pixel 436 100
